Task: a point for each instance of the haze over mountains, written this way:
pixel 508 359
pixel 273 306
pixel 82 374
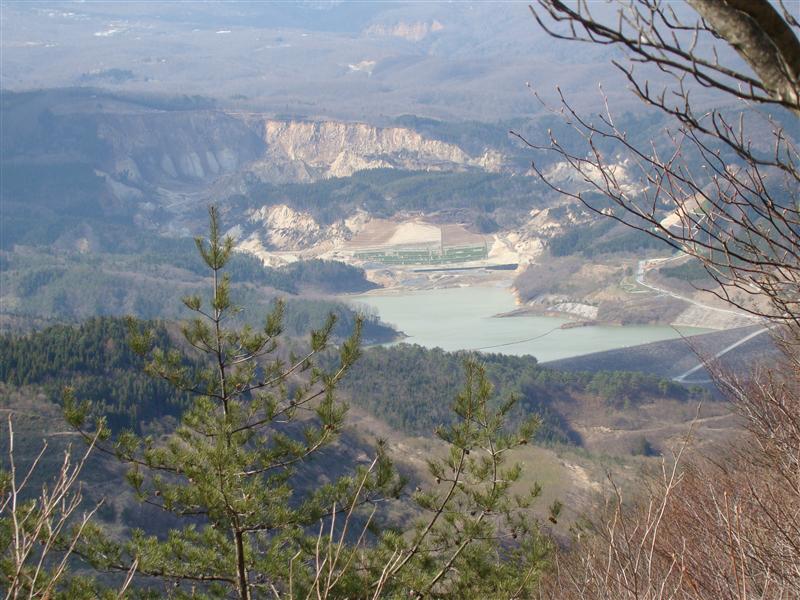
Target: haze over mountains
pixel 362 61
pixel 308 123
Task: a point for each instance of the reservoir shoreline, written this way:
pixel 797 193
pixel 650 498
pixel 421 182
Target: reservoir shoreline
pixel 470 318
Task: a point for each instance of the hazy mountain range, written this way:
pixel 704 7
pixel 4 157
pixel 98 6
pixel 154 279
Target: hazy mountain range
pixel 338 59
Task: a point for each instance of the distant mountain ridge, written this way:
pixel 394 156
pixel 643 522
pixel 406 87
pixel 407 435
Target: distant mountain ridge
pixel 139 145
pixel 341 60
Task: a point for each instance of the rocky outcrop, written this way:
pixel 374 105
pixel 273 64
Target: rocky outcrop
pixel 413 32
pixel 590 178
pixel 310 150
pixel 278 234
pixel 578 309
pixel 283 228
pixel 167 147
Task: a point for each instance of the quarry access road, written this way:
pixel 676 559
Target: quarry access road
pixel 641 270
pixel 640 279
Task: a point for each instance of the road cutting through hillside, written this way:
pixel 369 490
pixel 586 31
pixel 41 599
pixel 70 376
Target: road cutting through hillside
pixel 682 378
pixel 640 273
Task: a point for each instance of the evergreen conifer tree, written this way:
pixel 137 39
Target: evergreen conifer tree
pixel 477 538
pixel 247 527
pixel 228 473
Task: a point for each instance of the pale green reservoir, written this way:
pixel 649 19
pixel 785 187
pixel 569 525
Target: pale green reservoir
pixel 464 319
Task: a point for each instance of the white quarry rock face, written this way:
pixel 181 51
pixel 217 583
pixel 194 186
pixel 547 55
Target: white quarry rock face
pixel 502 250
pixel 253 245
pixel 524 245
pixel 413 32
pixel 515 247
pixel 348 163
pixel 308 150
pixel 168 166
pixel 320 143
pixel 357 221
pixel 542 221
pixel 586 311
pixel 365 66
pixel 491 161
pixel 282 235
pixel 283 217
pixel 192 166
pixel 235 232
pixel 687 212
pixel 284 228
pixel 529 250
pixel 564 175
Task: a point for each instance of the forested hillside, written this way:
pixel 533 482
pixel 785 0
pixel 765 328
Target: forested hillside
pixel 94 359
pixel 386 192
pixel 410 387
pixel 72 286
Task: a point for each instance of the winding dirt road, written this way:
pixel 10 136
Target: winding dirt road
pixel 645 265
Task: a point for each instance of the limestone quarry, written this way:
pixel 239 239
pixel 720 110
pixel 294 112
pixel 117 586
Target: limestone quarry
pixel 414 31
pixel 589 178
pixel 312 150
pixel 221 152
pixel 278 234
pixel 164 166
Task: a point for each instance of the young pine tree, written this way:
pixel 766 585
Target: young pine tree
pixel 477 538
pixel 229 472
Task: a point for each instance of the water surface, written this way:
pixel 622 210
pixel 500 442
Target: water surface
pixel 464 319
